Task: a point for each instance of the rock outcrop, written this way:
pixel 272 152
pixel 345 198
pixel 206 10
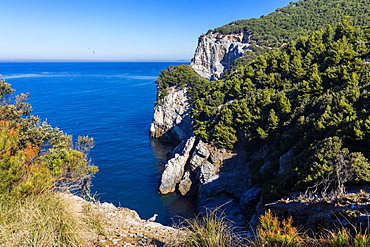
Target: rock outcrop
pixel 195 168
pixel 350 210
pixel 174 170
pixel 218 178
pixel 216 52
pixel 171 121
pixel 121 226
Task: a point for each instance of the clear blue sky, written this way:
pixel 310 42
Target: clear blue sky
pixel 117 30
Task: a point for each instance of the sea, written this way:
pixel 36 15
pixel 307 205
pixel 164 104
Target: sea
pixel 111 102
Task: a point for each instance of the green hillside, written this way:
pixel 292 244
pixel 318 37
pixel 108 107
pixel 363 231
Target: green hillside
pixel 295 20
pixel 309 99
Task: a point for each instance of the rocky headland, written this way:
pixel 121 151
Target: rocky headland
pixel 218 178
pixel 221 179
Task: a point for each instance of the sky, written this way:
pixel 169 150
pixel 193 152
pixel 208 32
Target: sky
pixel 116 30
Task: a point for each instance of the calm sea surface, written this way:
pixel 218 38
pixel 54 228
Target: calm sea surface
pixel 113 103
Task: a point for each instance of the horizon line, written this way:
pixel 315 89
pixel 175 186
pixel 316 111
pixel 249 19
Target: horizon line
pixel 89 61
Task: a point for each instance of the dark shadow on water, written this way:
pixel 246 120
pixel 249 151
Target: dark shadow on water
pixel 178 207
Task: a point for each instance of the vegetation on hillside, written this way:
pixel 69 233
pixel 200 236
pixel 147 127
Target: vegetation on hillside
pixel 181 76
pixel 295 20
pixel 308 100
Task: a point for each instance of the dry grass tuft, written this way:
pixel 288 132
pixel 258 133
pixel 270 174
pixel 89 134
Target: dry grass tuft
pixel 210 230
pixel 46 219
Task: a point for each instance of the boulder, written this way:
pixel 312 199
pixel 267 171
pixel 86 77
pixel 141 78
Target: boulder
pixel 199 155
pixel 187 185
pixel 175 168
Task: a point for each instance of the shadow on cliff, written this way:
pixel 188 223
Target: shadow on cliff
pixel 231 191
pixel 178 133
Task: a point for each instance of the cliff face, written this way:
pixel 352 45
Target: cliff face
pixel 171 121
pixel 195 168
pixel 216 52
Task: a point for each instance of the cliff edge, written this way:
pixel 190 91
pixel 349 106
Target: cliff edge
pixel 217 52
pixel 171 121
pixel 196 168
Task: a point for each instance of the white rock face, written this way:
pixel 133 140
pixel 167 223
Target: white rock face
pixel 171 121
pixel 215 176
pixel 217 52
pixel 175 168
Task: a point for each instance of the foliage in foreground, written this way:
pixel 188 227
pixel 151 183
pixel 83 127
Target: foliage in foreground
pixel 36 160
pixel 34 157
pixel 47 219
pixel 209 230
pixel 273 233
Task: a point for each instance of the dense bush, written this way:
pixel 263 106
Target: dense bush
pixel 34 157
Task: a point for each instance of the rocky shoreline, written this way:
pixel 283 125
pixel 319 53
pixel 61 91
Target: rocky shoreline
pixel 122 226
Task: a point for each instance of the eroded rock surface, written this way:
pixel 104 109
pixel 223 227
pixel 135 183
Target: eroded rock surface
pixel 216 52
pixel 218 178
pixel 171 121
pixel 175 168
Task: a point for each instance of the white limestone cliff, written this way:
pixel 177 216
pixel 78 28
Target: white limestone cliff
pixel 175 167
pixel 171 120
pixel 216 52
pixel 197 168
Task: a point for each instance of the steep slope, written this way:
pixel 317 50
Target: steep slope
pixel 307 103
pixel 291 118
pixel 217 52
pixel 244 40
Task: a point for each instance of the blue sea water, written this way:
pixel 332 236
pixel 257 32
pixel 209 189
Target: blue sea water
pixel 113 103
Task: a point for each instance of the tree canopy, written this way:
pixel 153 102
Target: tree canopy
pixel 295 20
pixel 308 99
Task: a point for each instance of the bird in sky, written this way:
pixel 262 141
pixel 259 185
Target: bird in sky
pixel 93 51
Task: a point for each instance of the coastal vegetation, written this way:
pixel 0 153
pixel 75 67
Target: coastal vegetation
pixel 308 99
pixel 293 21
pixel 213 230
pixel 297 107
pixel 37 162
